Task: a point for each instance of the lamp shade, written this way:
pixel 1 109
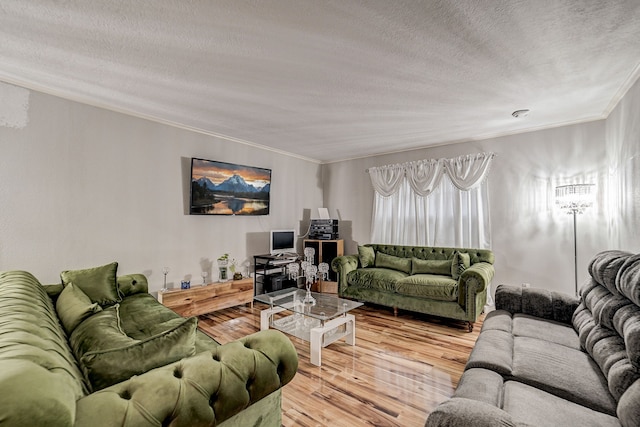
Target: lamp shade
pixel 575 197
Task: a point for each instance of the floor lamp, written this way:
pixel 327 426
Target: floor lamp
pixel 575 198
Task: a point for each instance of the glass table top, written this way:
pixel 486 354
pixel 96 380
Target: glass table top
pixel 324 307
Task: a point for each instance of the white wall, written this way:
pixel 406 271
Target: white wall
pixel 531 238
pixel 623 156
pixel 83 186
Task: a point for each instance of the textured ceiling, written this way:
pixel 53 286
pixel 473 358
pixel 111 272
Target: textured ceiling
pixel 333 79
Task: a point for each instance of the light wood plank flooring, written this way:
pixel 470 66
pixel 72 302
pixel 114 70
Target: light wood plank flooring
pixel 398 371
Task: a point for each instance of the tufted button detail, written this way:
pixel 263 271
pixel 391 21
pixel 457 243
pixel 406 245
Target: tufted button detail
pixel 213 399
pixel 250 382
pixel 177 373
pixel 215 357
pixel 125 395
pixel 134 282
pixel 247 344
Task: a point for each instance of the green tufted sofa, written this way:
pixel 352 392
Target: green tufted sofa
pixel 174 375
pixel 446 282
pixel 545 358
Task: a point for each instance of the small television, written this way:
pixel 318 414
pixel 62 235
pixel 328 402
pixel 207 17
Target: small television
pixel 219 188
pixel 282 242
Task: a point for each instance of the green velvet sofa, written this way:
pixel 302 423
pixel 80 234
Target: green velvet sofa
pixel 544 358
pixel 446 282
pixel 99 350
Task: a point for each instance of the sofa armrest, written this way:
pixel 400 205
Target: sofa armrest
pixel 54 291
pixel 343 265
pixel 458 411
pixel 205 389
pixel 537 302
pixel 131 284
pixel 474 280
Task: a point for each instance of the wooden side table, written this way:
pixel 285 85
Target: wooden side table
pixel 203 299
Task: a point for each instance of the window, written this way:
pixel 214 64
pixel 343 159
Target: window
pixel 433 203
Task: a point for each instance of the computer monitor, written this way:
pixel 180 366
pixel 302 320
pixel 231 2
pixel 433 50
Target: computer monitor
pixel 282 242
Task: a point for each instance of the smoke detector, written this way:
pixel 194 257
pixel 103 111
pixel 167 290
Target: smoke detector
pixel 520 113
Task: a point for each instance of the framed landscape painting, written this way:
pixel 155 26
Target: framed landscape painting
pixel 219 188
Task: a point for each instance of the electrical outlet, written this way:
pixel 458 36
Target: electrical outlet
pixel 526 285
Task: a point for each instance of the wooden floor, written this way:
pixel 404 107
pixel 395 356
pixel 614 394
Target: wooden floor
pixel 398 371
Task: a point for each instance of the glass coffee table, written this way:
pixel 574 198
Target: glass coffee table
pixel 318 318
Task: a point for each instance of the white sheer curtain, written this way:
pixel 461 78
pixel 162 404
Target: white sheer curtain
pixel 415 205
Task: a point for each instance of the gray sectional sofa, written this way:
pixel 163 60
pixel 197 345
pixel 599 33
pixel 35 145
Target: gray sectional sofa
pixel 548 359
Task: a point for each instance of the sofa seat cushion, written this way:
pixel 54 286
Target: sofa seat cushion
pixel 536 407
pixel 560 370
pixel 382 279
pixel 441 288
pixel 142 316
pixel 140 313
pixel 108 356
pixel 526 404
pixel 567 373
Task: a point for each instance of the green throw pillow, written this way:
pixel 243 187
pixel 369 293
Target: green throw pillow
pixel 108 356
pixel 99 283
pixel 431 266
pixel 74 306
pixel 393 262
pixel 367 256
pixel 461 261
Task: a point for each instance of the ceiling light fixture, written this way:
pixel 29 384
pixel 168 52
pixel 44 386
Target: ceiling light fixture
pixel 520 113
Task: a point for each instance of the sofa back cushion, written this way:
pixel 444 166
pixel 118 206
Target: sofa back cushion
pixel 628 279
pixel 604 268
pixel 367 256
pixel 99 283
pixel 431 266
pixel 393 262
pixel 429 252
pixel 608 323
pixel 73 306
pixel 39 378
pixel 461 261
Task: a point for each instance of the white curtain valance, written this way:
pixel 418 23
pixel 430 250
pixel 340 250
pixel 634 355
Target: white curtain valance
pixel 468 172
pixel 424 176
pixel 386 180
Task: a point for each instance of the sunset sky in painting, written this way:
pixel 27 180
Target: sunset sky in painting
pixel 218 172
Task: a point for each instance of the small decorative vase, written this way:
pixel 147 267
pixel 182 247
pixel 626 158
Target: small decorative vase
pixel 185 284
pixel 222 268
pixel 237 276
